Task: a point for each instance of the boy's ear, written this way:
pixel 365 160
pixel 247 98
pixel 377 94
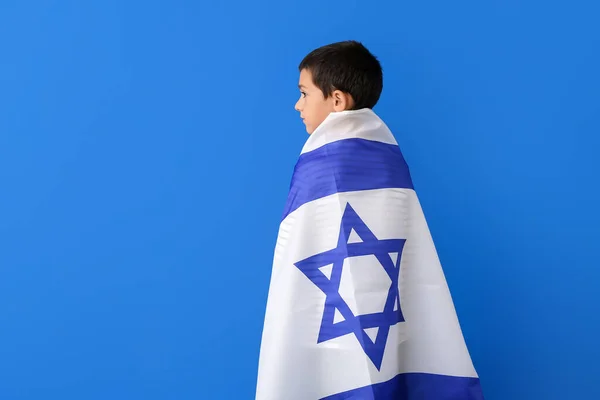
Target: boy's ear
pixel 342 101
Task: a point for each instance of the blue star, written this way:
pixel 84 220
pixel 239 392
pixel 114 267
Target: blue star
pixel 351 323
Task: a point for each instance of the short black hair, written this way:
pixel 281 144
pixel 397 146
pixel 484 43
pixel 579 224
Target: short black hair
pixel 347 66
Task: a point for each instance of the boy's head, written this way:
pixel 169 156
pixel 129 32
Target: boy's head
pixel 337 77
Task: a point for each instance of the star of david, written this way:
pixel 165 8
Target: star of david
pixel 350 323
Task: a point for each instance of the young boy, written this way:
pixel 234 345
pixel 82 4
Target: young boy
pixel 358 305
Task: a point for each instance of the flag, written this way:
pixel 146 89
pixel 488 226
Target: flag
pixel 358 305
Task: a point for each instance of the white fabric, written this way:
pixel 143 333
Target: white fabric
pixel 363 123
pixel 292 365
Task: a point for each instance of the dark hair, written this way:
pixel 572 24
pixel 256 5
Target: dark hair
pixel 347 66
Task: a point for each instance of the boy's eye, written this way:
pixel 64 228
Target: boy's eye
pixel 303 94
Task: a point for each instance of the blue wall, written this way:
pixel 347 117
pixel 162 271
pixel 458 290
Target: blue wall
pixel 146 150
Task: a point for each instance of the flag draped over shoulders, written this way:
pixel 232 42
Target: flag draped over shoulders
pixel 358 305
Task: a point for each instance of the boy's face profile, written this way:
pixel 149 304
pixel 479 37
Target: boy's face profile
pixel 313 106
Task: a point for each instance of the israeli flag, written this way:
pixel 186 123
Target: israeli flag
pixel 358 305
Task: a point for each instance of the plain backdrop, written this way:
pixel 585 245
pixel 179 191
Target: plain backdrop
pixel 146 149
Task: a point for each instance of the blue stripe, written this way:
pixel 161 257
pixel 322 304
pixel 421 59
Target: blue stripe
pixel 345 166
pixel 417 386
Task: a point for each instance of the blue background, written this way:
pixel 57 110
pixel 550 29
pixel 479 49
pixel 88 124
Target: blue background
pixel 146 150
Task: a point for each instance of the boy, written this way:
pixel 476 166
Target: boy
pixel 358 305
